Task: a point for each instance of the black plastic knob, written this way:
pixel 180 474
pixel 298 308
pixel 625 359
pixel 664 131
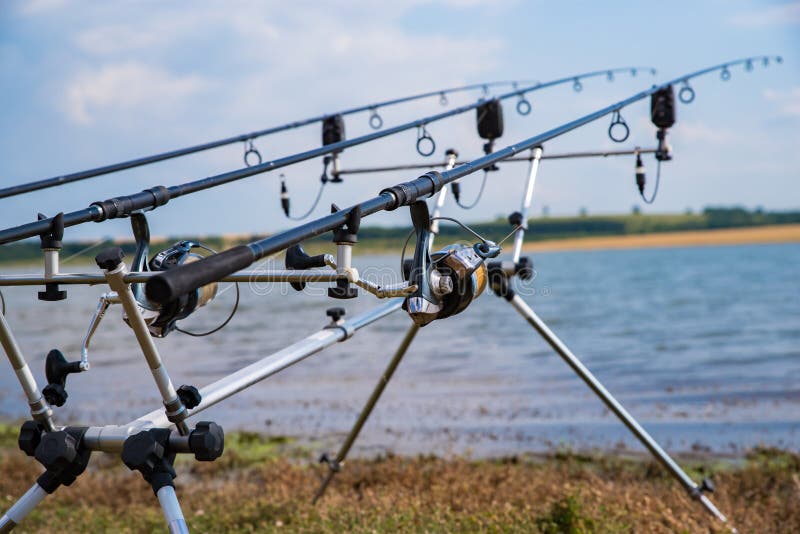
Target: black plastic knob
pixel 207 441
pixel 30 435
pixel 56 450
pixel 55 394
pixel 142 452
pixel 524 268
pixel 110 258
pixel 335 313
pixel 189 396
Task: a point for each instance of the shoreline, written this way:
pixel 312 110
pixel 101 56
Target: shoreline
pixel 751 235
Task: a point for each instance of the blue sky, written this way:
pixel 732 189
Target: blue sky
pixel 89 83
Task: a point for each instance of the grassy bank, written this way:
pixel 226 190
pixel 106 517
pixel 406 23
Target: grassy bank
pixel 264 485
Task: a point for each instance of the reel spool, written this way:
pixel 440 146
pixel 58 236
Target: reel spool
pixel 161 320
pixel 447 281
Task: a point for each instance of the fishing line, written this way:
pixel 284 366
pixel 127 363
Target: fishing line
pixel 655 188
pixel 226 321
pixel 457 193
pixel 285 199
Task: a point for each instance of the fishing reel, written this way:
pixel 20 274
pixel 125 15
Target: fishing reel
pixel 448 280
pixel 161 320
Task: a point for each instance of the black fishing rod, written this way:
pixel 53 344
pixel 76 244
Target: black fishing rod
pixel 375 121
pixel 167 286
pixel 158 196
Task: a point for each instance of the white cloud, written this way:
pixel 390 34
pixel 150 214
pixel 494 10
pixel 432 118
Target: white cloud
pixel 127 86
pixel 780 15
pixel 35 7
pixel 700 132
pixel 788 101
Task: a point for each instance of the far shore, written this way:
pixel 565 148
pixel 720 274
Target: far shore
pixel 784 233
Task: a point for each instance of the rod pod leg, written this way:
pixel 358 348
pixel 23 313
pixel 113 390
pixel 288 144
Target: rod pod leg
pixel 21 508
pixel 172 510
pixel 335 464
pixel 694 490
pixel 40 409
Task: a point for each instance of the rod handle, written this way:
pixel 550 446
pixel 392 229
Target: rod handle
pixel 169 285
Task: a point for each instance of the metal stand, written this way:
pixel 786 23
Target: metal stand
pixel 335 464
pixel 21 508
pixel 115 271
pixel 695 490
pixel 172 510
pixel 536 155
pixel 40 409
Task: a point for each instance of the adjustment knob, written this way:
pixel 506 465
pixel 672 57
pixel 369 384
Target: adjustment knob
pixel 110 258
pixel 56 450
pixel 335 313
pixel 142 452
pixel 55 394
pixel 207 441
pixel 189 396
pixel 30 435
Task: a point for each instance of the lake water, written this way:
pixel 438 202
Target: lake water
pixel 702 345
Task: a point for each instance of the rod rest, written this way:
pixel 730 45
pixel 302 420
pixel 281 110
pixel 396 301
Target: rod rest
pixel 50 242
pixel 297 258
pixel 345 235
pixel 56 369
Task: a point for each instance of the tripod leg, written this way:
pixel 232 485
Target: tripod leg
pixel 21 508
pixel 172 510
pixel 334 465
pixel 641 434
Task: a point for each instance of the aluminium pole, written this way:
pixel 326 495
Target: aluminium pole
pixel 526 202
pixel 695 491
pixel 335 464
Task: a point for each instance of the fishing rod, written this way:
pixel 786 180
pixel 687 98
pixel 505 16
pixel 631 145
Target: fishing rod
pixel 252 153
pixel 157 196
pixel 169 285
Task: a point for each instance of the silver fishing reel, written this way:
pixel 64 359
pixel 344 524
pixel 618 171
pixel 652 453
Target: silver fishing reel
pixel 161 320
pixel 448 280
